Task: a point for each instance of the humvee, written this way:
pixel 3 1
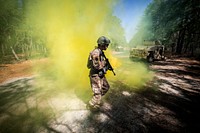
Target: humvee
pixel 150 50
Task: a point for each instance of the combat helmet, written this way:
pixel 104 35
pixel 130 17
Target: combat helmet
pixel 103 41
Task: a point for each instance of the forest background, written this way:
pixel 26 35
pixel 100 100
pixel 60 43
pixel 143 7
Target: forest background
pixel 175 23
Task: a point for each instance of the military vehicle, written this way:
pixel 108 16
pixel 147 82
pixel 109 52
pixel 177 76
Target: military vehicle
pixel 150 50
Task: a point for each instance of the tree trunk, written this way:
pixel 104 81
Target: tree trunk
pixel 192 49
pixel 30 47
pixel 15 55
pixel 2 49
pixel 188 43
pixel 180 41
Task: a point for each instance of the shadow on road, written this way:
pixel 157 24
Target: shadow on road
pixel 168 104
pixel 145 110
pixel 20 111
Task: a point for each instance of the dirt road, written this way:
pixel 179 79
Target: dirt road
pixel 167 104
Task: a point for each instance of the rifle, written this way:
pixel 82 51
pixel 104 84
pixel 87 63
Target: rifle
pixel 109 66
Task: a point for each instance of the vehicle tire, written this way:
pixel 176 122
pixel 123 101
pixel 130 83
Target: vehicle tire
pixel 150 59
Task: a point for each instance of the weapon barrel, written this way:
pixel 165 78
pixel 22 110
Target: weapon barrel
pixel 113 72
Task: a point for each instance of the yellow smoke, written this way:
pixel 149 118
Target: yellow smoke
pixel 133 74
pixel 71 29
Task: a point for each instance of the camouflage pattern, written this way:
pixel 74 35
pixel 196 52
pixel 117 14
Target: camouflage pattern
pixel 97 60
pixel 100 87
pixel 99 83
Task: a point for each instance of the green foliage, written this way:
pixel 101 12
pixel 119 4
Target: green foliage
pixel 10 17
pixel 20 30
pixel 174 22
pixel 144 32
pixel 115 31
pixel 16 30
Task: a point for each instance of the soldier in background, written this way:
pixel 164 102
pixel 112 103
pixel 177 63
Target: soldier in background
pixel 98 67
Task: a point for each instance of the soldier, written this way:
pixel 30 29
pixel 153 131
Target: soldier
pixel 98 67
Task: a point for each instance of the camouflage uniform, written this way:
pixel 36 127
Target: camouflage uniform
pixel 98 80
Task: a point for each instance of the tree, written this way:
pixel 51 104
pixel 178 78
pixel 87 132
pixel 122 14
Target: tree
pixel 16 31
pixel 10 17
pixel 115 31
pixel 175 22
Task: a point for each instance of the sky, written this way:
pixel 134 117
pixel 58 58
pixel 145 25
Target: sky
pixel 130 13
